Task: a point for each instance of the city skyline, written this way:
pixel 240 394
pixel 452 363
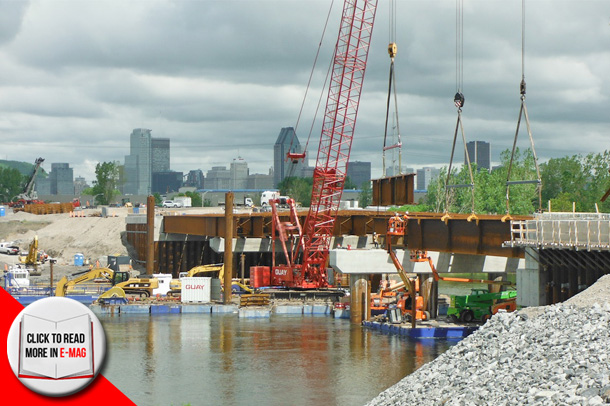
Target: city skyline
pixel 78 76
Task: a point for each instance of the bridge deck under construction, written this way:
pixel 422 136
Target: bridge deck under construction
pixel 460 233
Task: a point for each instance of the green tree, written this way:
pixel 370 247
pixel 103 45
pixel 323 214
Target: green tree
pixel 366 195
pixel 578 179
pixel 11 183
pixel 489 188
pixel 106 183
pixel 195 198
pixel 297 188
pixel 349 184
pixel 158 199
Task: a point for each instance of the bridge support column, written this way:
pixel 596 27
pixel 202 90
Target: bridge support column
pixel 531 281
pixel 360 298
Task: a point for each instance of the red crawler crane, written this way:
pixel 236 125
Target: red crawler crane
pixel 312 247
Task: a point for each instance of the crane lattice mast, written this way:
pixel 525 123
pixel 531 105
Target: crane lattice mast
pixel 344 92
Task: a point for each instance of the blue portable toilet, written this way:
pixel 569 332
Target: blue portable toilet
pixel 79 259
pixel 2 212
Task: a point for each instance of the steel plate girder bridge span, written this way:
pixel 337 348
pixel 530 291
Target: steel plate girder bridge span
pixel 483 236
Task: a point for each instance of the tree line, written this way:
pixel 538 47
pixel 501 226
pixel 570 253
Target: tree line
pixel 577 181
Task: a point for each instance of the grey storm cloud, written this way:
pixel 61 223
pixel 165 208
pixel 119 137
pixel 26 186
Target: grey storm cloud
pixel 221 78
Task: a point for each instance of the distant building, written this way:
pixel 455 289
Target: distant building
pixel 260 181
pixel 43 186
pixel 479 153
pixel 425 176
pixel 80 184
pixel 287 141
pixel 138 164
pixel 394 170
pixel 166 182
pixel 62 179
pixel 195 179
pixel 218 178
pixel 160 155
pixel 239 174
pixel 359 172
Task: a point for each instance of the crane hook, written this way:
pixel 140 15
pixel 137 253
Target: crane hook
pixel 458 99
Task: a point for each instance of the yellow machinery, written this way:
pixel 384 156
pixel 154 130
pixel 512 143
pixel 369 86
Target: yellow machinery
pixel 121 282
pixel 33 259
pixel 176 285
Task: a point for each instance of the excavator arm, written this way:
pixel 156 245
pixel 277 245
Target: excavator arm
pixel 64 283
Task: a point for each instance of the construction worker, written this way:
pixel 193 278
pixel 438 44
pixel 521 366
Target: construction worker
pixel 375 239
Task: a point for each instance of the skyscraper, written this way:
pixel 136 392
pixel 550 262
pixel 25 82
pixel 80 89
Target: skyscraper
pixel 138 164
pixel 239 174
pixel 160 155
pixel 359 172
pixel 425 175
pixel 287 141
pixel 62 179
pixel 479 153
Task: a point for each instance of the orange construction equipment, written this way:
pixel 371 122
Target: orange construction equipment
pixel 396 227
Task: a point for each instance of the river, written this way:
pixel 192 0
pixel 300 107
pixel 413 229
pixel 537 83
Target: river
pixel 194 359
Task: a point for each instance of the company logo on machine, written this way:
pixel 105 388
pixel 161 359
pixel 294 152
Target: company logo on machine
pixel 281 272
pixel 56 346
pixel 194 287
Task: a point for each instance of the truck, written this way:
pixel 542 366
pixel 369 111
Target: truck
pixel 269 195
pixel 480 304
pixel 185 200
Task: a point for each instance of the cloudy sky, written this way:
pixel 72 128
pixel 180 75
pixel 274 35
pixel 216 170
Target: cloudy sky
pixel 221 78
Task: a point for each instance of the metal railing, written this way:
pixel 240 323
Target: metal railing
pixel 580 231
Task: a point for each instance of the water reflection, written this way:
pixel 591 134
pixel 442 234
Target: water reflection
pixel 224 360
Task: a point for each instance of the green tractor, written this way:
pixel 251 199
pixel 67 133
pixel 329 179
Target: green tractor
pixel 481 305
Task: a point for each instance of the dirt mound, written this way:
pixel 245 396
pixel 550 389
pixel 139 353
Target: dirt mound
pixel 62 236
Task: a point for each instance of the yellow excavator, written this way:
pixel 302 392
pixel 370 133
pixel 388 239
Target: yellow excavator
pixel 121 283
pixel 34 258
pixel 176 285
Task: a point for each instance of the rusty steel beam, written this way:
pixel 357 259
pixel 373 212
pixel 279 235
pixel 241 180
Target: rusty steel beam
pixel 228 255
pixel 258 225
pixel 394 190
pixel 150 235
pixel 482 236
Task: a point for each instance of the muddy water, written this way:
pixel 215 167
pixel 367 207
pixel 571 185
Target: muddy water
pixel 224 360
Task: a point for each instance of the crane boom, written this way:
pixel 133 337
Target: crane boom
pixel 27 189
pixel 345 88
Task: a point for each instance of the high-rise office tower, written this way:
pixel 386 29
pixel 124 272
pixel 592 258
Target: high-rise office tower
pixel 160 155
pixel 425 175
pixel 287 141
pixel 359 172
pixel 479 153
pixel 239 174
pixel 62 179
pixel 138 164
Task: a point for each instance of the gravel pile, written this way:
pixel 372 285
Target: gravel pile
pixel 559 357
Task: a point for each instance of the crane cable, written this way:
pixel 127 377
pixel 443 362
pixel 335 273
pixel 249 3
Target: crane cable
pixel 523 111
pixel 307 91
pixel 392 50
pixel 458 100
